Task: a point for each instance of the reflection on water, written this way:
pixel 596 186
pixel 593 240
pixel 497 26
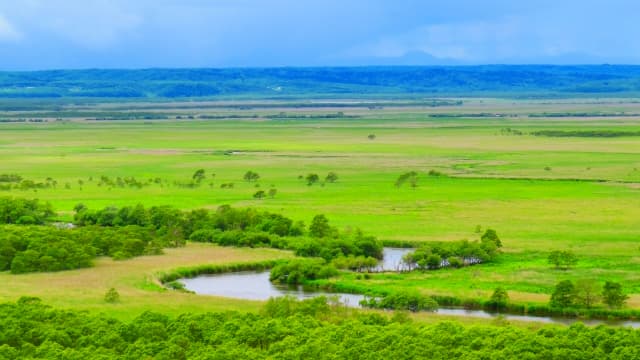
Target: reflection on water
pixel 392 260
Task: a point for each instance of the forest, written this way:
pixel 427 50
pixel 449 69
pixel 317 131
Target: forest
pixel 289 329
pixel 488 80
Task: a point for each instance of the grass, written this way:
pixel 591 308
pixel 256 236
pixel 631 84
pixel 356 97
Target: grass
pixel 521 185
pixel 135 281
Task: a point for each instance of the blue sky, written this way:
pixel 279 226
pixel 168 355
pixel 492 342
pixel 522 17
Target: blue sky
pixel 53 34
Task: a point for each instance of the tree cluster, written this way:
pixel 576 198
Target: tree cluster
pixel 562 259
pixel 229 226
pixel 587 294
pixel 42 248
pixel 402 300
pixel 297 271
pixel 24 211
pixel 435 255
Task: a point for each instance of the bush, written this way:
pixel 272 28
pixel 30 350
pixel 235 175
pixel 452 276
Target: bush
pixel 112 296
pixel 403 300
pixel 499 299
pixel 297 271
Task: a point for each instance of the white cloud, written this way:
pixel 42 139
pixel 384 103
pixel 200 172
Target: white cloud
pixel 7 31
pixel 91 24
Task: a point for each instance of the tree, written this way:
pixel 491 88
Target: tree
pixel 198 176
pixel 563 295
pixel 319 227
pixel 272 192
pixel 411 177
pixel 371 136
pixel 499 299
pixel 491 235
pixel 312 179
pixel 331 177
pixel 251 176
pixel 259 195
pixel 562 259
pixel 612 294
pixel 587 292
pixel 112 296
pixel 434 261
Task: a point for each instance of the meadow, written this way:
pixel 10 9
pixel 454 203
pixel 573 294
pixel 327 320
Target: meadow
pixel 539 193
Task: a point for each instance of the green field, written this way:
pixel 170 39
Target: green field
pixel 539 193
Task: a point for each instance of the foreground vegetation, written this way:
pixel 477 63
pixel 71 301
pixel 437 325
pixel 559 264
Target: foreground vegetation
pixel 287 329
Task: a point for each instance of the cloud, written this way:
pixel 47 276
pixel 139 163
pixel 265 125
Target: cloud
pixel 211 33
pixel 7 31
pixel 90 24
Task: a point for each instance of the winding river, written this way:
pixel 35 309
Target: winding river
pixel 256 286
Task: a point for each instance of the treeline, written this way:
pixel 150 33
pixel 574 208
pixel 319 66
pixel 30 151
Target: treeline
pixel 585 133
pixel 229 226
pixel 22 120
pixel 132 116
pixel 290 329
pixel 581 114
pixel 249 227
pixel 26 249
pixel 345 82
pixel 471 115
pixel 413 300
pixel 135 230
pixel 338 115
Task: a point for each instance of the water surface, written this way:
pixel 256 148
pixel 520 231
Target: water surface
pixel 252 285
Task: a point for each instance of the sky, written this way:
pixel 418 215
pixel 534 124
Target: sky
pixel 75 34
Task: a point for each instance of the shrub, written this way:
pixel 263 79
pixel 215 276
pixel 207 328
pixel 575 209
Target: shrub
pixel 297 271
pixel 112 296
pixel 499 299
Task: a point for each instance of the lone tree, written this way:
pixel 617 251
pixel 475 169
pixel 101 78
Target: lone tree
pixel 319 227
pixel 499 299
pixel 562 259
pixel 272 192
pixel 259 195
pixel 491 235
pixel 612 295
pixel 563 295
pixel 312 179
pixel 371 136
pixel 251 176
pixel 411 177
pixel 112 296
pixel 198 176
pixel 587 292
pixel 331 177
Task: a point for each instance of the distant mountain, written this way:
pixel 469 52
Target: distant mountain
pixel 411 58
pixel 379 81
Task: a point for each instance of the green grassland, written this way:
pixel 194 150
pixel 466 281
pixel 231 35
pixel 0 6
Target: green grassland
pixel 539 193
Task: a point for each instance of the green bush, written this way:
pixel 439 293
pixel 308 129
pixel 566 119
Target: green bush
pixel 112 296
